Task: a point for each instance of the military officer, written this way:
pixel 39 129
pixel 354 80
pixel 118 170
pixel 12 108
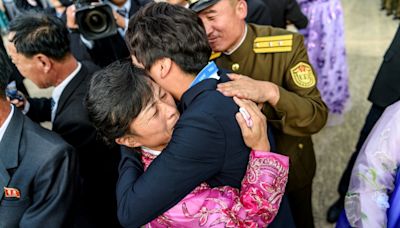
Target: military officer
pixel 281 76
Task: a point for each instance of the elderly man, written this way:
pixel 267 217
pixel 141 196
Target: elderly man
pixel 37 168
pixel 39 47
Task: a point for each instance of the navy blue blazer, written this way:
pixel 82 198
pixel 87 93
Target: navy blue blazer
pixel 42 167
pixel 206 146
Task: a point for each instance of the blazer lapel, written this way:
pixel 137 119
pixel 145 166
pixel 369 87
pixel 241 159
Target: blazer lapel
pixel 70 88
pixel 9 149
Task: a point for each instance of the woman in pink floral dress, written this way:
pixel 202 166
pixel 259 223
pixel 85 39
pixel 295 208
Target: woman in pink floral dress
pixel 255 205
pixel 263 185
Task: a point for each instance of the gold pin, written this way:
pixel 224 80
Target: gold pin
pixel 301 146
pixel 235 67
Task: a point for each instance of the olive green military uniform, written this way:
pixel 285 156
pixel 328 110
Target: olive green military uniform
pixel 278 56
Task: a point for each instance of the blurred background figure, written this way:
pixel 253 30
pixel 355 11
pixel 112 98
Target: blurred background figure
pixel 391 7
pixel 384 92
pixel 369 200
pixel 284 12
pixel 324 38
pixel 3 19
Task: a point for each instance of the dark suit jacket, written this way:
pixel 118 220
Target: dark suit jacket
pixel 42 167
pixel 386 88
pixel 206 145
pixel 98 162
pixel 258 13
pixel 286 10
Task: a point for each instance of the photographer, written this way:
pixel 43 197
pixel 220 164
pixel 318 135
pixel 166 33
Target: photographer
pixel 112 47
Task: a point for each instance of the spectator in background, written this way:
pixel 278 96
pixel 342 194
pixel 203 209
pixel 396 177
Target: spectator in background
pixel 39 47
pixel 284 12
pixel 258 13
pixel 384 92
pixel 373 178
pixel 37 168
pixel 3 20
pixel 106 50
pixel 324 39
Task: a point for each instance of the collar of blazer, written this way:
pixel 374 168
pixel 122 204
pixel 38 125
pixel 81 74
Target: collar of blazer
pixel 9 148
pixel 71 87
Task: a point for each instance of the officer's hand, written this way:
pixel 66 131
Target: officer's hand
pixel 71 23
pixel 119 19
pixel 253 125
pixel 244 87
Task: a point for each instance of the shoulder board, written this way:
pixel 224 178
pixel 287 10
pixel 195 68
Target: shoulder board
pixel 215 55
pixel 273 44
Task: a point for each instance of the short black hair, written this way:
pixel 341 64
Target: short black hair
pixel 5 72
pixel 116 96
pixel 39 32
pixel 161 30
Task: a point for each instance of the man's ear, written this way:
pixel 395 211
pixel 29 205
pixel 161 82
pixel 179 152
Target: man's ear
pixel 128 140
pixel 165 67
pixel 241 9
pixel 43 62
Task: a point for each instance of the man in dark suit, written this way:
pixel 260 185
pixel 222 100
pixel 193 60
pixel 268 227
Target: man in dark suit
pixel 284 11
pixel 37 168
pixel 384 92
pixel 39 46
pixel 206 146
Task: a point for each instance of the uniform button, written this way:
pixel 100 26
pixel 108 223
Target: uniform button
pixel 301 146
pixel 235 66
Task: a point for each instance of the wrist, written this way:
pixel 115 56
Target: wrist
pixel 262 146
pixel 273 94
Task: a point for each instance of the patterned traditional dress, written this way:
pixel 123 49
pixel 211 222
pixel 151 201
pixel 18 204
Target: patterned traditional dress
pixel 324 38
pixel 373 196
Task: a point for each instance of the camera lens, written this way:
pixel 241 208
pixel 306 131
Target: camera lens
pixel 96 21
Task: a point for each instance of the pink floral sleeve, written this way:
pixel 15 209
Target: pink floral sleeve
pixel 255 205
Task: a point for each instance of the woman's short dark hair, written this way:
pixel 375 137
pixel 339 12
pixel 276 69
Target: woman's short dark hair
pixel 164 30
pixel 38 32
pixel 117 94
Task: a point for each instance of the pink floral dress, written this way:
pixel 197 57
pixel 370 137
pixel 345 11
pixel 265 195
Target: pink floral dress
pixel 255 205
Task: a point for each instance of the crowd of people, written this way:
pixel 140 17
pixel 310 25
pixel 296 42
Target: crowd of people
pixel 189 114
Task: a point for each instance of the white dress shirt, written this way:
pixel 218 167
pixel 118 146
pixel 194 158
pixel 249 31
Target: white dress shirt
pixel 60 88
pixel 127 7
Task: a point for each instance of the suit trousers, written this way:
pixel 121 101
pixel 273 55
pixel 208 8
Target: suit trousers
pixel 301 206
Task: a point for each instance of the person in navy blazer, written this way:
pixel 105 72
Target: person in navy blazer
pixel 207 146
pixel 37 168
pixel 40 49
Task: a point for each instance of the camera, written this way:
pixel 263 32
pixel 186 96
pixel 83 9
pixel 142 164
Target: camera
pixel 95 21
